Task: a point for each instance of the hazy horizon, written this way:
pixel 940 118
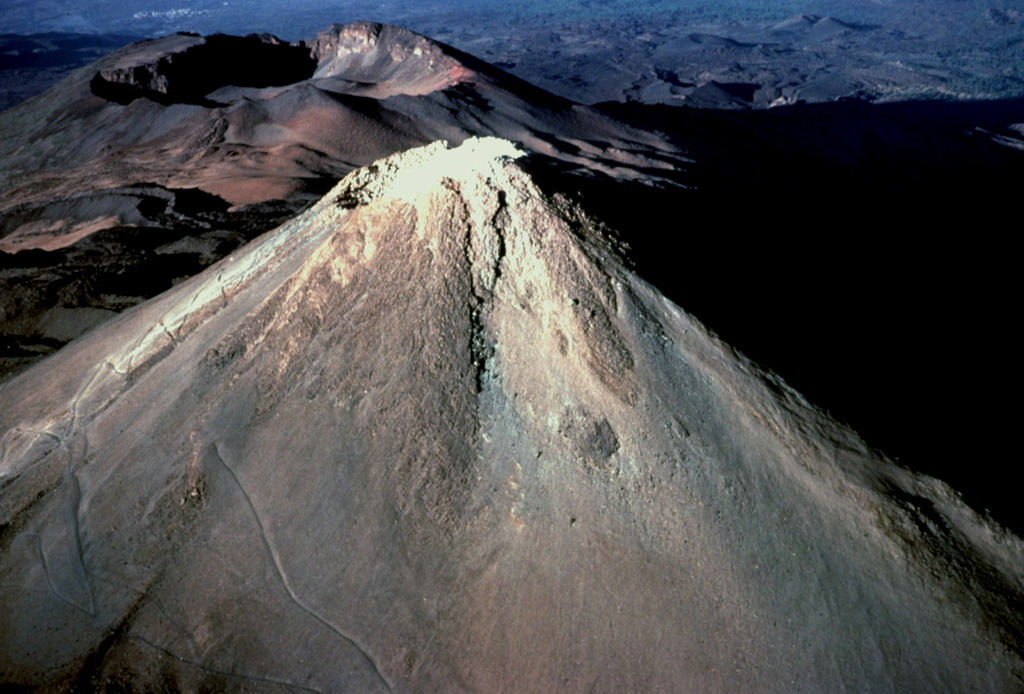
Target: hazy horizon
pixel 294 21
pixel 958 49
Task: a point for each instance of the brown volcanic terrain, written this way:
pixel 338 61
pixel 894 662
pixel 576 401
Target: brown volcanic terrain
pixel 436 433
pixel 433 435
pixel 252 119
pixel 180 149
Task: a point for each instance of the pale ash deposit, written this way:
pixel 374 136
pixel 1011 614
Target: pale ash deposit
pixel 432 435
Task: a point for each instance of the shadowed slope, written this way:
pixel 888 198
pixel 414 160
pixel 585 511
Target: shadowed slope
pixel 846 303
pixel 432 436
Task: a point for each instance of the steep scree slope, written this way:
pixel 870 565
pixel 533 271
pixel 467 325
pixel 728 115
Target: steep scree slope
pixel 432 436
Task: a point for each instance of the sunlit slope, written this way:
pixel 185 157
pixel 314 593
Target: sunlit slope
pixel 432 436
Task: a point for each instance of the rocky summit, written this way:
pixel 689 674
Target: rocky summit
pixel 433 434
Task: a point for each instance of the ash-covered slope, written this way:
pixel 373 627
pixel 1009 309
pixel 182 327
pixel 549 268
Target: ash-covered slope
pixel 433 436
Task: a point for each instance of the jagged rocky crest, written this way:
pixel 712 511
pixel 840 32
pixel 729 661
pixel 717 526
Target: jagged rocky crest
pixel 185 68
pixel 387 60
pixel 432 435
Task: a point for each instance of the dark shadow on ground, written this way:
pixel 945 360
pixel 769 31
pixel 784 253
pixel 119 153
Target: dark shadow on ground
pixel 114 269
pixel 188 76
pixel 860 251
